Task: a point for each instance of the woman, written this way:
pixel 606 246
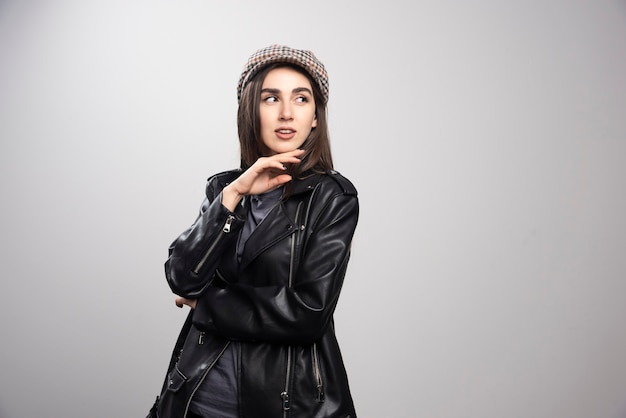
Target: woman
pixel 263 264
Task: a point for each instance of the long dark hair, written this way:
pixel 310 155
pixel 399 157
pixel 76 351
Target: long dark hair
pixel 317 158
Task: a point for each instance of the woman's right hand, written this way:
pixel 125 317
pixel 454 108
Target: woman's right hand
pixel 266 174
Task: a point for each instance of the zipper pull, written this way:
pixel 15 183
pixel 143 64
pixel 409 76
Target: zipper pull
pixel 285 397
pixel 229 221
pixel 201 338
pixel 320 393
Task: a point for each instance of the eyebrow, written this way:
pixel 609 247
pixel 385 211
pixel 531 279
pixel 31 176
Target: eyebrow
pixel 296 90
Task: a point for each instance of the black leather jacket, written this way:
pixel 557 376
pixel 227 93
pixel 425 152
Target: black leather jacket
pixel 278 302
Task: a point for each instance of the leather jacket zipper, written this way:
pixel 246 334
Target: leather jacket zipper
pixel 318 374
pixel 292 256
pixel 204 375
pixel 285 394
pixel 225 230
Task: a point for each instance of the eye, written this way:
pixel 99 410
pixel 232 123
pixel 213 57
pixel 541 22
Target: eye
pixel 302 99
pixel 270 99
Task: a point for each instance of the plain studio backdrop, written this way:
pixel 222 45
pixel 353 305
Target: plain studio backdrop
pixel 487 140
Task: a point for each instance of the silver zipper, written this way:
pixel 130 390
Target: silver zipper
pixel 204 375
pixel 293 246
pixel 285 394
pixel 229 221
pixel 226 230
pixel 318 374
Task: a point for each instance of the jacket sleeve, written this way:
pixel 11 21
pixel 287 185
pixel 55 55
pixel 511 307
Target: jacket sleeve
pixel 294 314
pixel 193 257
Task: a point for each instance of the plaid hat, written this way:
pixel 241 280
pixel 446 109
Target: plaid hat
pixel 280 53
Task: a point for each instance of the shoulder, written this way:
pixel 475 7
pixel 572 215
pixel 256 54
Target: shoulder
pixel 345 185
pixel 218 181
pixel 327 183
pixel 333 196
pixel 225 177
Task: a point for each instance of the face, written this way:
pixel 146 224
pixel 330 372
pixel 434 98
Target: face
pixel 287 110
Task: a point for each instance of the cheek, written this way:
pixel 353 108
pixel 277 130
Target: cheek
pixel 264 119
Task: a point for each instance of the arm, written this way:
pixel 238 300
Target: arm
pixel 195 254
pixel 297 314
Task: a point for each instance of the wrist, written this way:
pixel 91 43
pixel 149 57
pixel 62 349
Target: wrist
pixel 231 197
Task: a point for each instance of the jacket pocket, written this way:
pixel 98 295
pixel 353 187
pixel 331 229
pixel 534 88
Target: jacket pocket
pixel 176 379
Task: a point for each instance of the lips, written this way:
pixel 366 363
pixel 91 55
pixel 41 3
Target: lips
pixel 285 133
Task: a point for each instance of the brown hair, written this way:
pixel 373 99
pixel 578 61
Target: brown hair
pixel 317 157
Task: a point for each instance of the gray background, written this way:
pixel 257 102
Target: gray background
pixel 487 140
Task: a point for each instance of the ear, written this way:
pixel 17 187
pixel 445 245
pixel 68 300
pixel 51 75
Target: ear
pixel 314 123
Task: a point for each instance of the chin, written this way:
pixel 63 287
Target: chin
pixel 283 148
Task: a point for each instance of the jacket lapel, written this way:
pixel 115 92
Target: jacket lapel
pixel 277 225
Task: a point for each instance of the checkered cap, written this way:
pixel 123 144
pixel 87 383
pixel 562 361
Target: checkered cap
pixel 281 53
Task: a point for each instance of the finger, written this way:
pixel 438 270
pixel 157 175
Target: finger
pixel 292 160
pixel 289 155
pixel 279 180
pixel 296 152
pixel 265 163
pixel 277 164
pixel 280 162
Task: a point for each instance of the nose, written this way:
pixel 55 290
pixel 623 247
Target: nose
pixel 286 111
